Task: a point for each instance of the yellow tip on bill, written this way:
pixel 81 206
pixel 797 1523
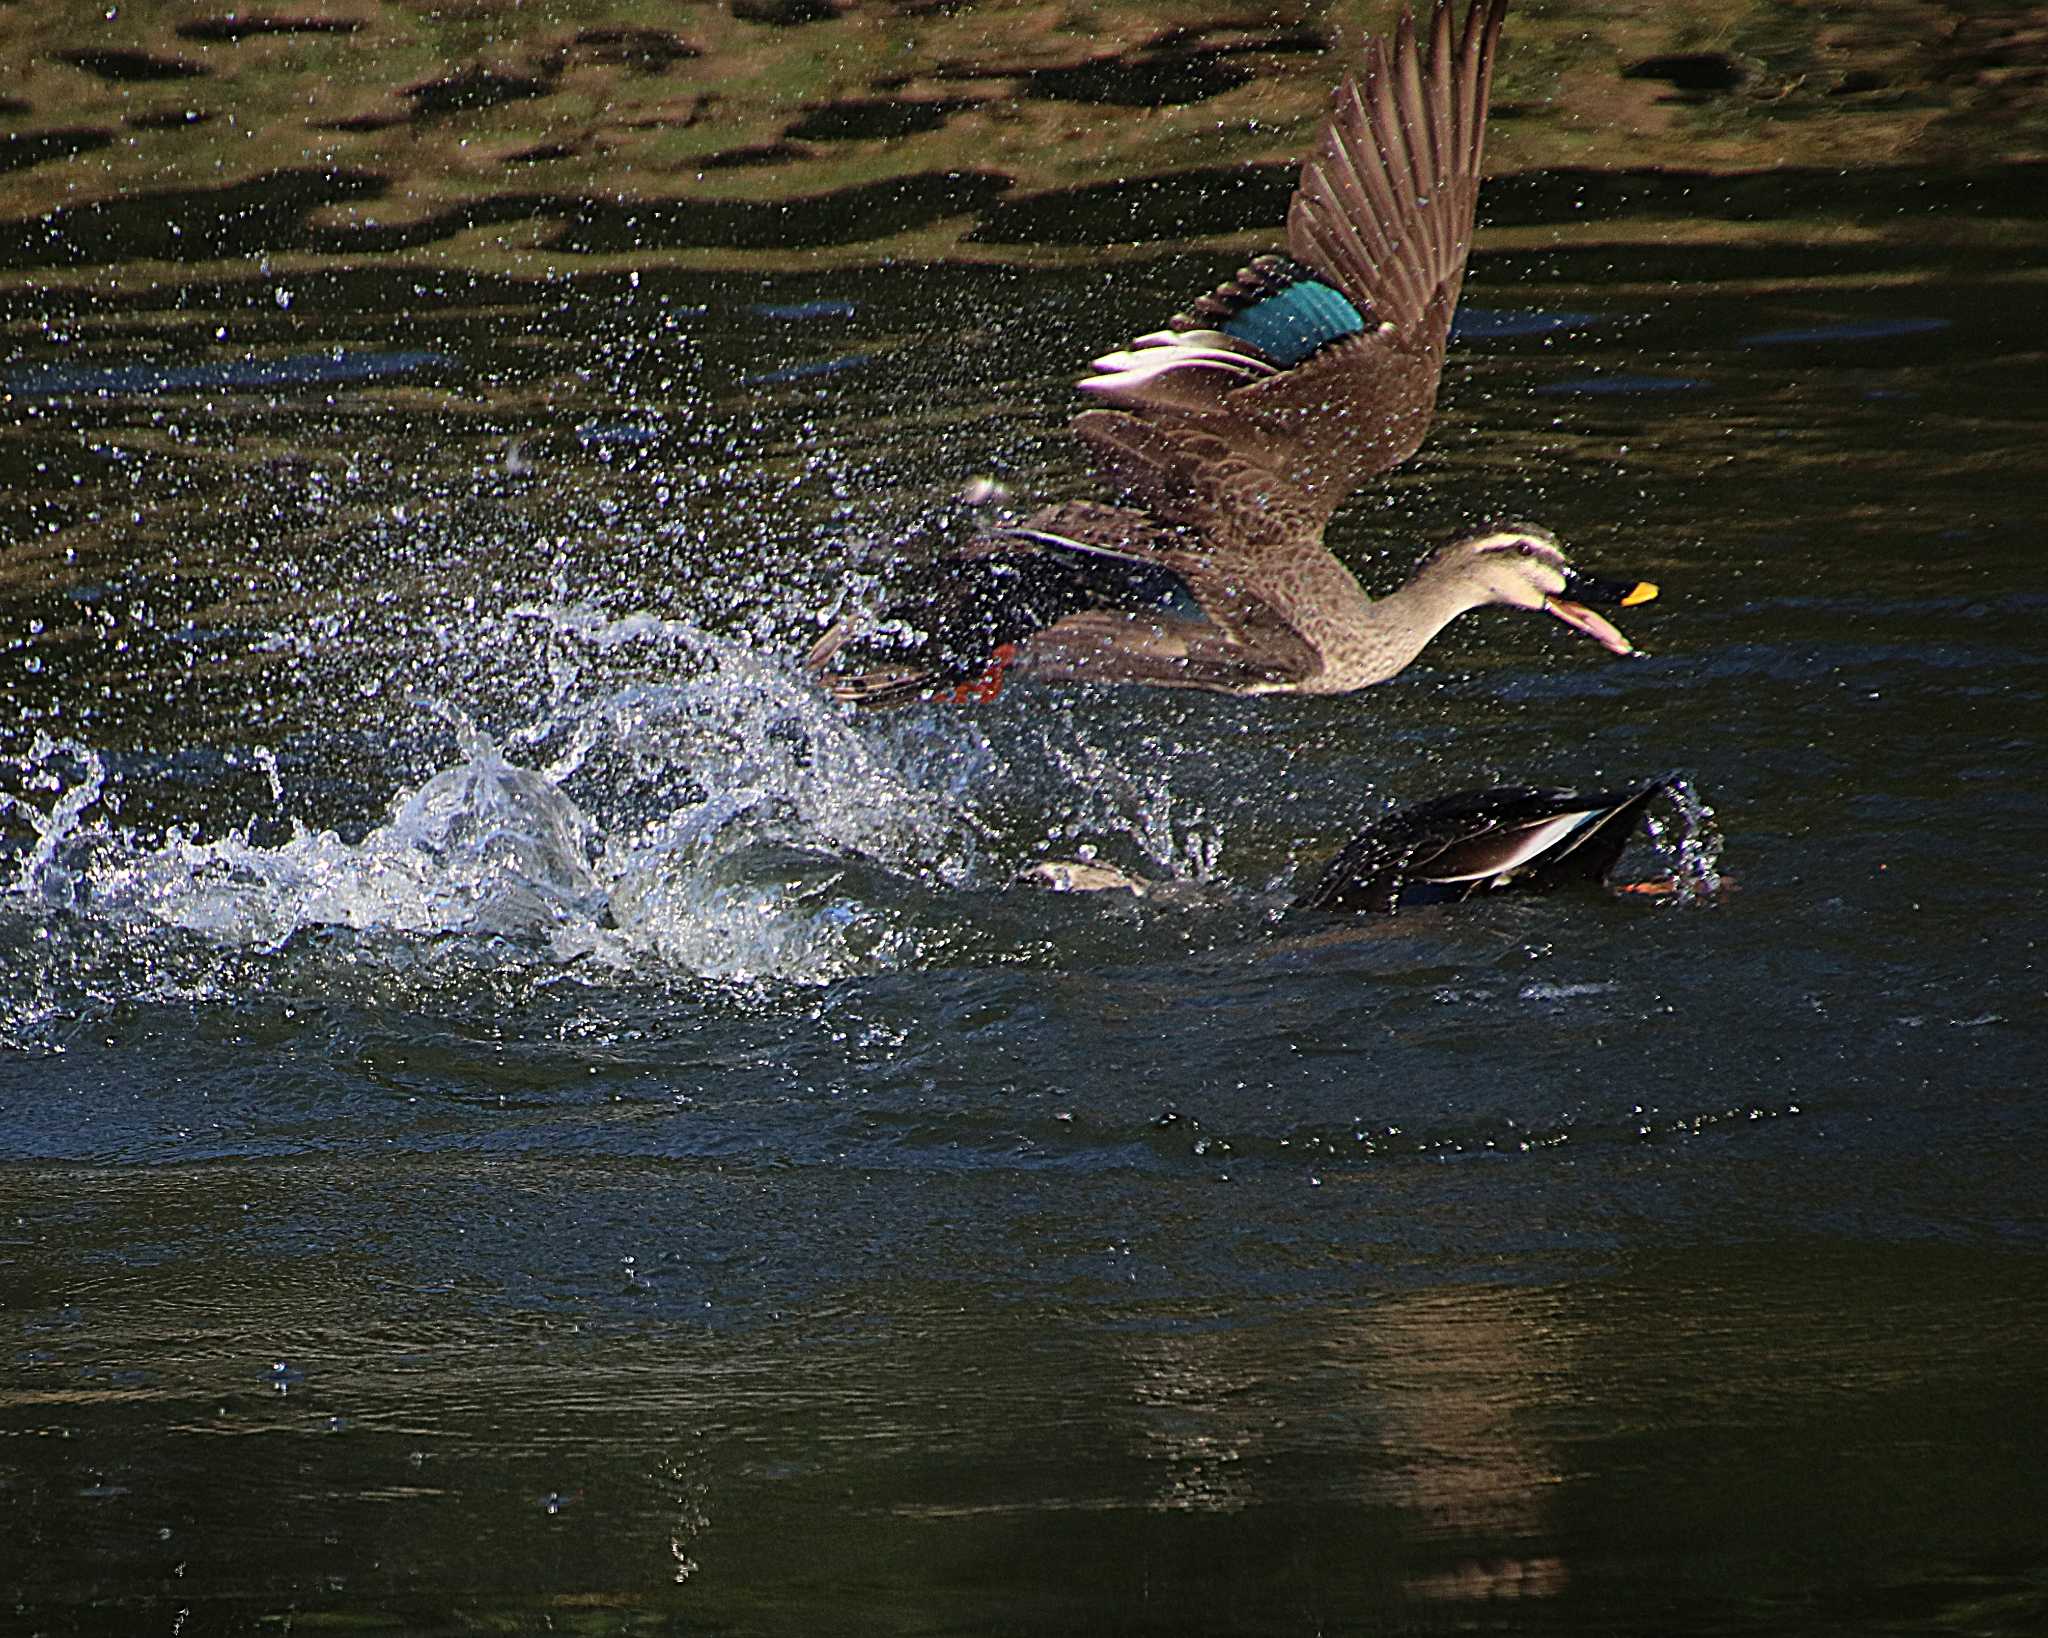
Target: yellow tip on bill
pixel 1642 592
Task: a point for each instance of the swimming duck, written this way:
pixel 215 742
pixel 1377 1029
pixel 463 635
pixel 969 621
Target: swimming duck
pixel 1453 847
pixel 1441 851
pixel 1234 434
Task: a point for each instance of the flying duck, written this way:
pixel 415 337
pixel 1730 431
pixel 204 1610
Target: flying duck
pixel 1233 435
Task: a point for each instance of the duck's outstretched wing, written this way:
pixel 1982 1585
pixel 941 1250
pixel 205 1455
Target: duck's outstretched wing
pixel 1458 845
pixel 1319 368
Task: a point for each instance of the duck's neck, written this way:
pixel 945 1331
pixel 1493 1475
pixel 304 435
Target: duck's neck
pixel 1395 629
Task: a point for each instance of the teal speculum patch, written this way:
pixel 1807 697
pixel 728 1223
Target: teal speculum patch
pixel 1294 323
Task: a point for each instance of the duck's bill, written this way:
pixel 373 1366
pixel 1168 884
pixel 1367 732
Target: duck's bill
pixel 1625 594
pixel 1581 618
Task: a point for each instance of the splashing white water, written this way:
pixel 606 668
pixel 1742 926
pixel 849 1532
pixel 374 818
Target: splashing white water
pixel 1140 805
pixel 766 751
pixel 676 802
pixel 74 778
pixel 747 878
pixel 1688 841
pixel 482 848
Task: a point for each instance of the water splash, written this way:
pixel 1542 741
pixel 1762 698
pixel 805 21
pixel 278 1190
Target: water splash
pixel 1125 803
pixel 749 743
pixel 58 783
pixel 73 778
pixel 1688 841
pixel 483 848
pixel 728 824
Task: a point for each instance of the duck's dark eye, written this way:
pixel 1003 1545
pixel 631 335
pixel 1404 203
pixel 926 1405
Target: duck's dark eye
pixel 1526 548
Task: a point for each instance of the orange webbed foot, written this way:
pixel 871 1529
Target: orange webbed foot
pixel 984 687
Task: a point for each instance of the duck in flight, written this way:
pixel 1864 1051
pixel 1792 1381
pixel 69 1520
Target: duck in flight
pixel 1233 435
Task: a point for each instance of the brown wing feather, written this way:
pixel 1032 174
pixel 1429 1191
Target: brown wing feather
pixel 1383 212
pixel 1201 478
pixel 1119 530
pixel 1385 204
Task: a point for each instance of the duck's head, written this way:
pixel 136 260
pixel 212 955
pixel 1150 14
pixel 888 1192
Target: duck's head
pixel 1522 565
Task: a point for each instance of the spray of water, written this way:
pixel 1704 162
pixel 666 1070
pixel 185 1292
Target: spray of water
pixel 1122 798
pixel 1683 831
pixel 709 825
pixel 673 802
pixel 72 778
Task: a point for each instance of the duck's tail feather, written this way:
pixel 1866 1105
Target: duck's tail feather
pixel 878 690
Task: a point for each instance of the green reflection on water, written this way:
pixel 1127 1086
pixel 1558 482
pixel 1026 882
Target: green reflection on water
pixel 504 136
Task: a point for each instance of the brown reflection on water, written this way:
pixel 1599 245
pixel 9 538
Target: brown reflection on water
pixel 496 132
pixel 1420 1414
pixel 1455 1376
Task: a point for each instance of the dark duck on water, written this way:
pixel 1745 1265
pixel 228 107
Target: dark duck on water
pixel 1482 841
pixel 1236 432
pixel 1522 838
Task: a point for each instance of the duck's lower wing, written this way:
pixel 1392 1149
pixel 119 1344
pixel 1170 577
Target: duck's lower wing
pixel 1102 646
pixel 1079 591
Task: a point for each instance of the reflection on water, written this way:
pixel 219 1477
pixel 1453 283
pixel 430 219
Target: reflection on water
pixel 58 381
pixel 514 1109
pixel 494 136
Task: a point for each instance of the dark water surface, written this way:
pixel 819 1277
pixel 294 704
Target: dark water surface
pixel 516 1114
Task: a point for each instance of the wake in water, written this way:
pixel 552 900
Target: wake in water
pixel 740 884
pixel 730 824
pixel 724 823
